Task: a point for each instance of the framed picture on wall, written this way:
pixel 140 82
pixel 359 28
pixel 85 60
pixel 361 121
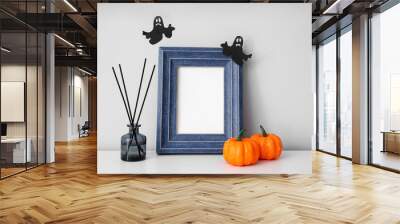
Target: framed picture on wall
pixel 199 100
pixel 13 101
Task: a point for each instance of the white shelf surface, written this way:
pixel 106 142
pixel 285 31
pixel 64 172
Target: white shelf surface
pixel 291 162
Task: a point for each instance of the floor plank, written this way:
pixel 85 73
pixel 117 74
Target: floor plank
pixel 70 191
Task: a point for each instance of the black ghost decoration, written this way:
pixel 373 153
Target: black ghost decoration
pixel 236 50
pixel 156 34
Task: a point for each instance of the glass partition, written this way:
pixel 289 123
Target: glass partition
pixel 22 77
pixel 13 94
pixel 32 95
pixel 41 97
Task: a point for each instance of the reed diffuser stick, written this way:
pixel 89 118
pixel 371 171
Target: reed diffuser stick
pixel 145 95
pixel 122 96
pixel 140 87
pixel 126 92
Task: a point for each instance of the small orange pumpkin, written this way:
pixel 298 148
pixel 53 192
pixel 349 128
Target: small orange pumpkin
pixel 241 151
pixel 270 144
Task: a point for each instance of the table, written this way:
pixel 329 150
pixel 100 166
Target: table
pixel 17 150
pixel 291 162
pixel 391 141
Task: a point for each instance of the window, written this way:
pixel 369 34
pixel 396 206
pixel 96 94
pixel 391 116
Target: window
pixel 385 89
pixel 335 74
pixel 346 93
pixel 394 118
pixel 327 96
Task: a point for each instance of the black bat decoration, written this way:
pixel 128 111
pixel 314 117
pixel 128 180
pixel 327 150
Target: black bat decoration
pixel 156 34
pixel 236 50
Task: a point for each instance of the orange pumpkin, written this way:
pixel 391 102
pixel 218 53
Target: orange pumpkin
pixel 241 151
pixel 270 145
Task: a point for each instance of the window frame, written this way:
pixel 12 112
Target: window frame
pixel 336 36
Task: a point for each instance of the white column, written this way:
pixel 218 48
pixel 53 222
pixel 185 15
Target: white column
pixel 360 90
pixel 50 94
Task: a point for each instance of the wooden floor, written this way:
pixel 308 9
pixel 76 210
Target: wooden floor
pixel 386 159
pixel 70 191
pixel 5 172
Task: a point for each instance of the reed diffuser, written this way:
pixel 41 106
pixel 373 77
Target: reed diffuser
pixel 133 144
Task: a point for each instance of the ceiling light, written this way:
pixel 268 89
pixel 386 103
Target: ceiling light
pixel 84 71
pixel 337 7
pixel 5 50
pixel 70 5
pixel 79 51
pixel 65 41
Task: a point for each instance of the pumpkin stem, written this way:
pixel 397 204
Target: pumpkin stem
pixel 240 136
pixel 263 132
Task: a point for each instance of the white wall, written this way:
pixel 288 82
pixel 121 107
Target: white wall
pixel 15 73
pixel 67 120
pixel 80 82
pixel 278 88
pixel 18 73
pixel 61 103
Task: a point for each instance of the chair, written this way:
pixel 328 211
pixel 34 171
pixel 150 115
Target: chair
pixel 84 130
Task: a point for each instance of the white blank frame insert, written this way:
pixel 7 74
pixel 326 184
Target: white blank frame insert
pixel 200 100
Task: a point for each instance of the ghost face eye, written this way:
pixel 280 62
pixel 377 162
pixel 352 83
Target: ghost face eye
pixel 158 21
pixel 238 42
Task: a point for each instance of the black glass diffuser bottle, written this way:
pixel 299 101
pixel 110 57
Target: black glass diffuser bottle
pixel 133 145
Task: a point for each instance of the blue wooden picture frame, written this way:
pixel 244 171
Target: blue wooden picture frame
pixel 168 140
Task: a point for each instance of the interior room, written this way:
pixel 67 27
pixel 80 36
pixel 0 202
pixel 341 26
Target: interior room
pixel 249 111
